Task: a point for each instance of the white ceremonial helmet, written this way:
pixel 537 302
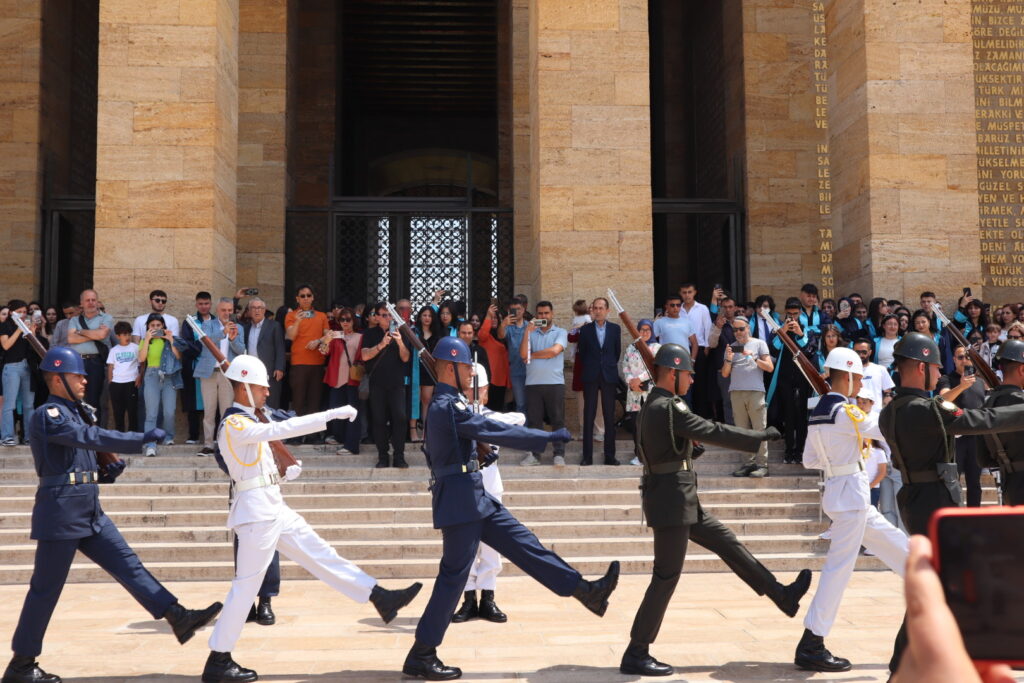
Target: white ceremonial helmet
pixel 842 358
pixel 248 370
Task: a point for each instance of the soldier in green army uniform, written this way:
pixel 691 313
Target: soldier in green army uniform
pixel 920 430
pixel 1006 451
pixel 666 430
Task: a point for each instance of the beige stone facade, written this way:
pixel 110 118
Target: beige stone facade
pixel 859 150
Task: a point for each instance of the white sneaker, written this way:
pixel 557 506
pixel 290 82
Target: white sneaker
pixel 826 535
pixel 530 461
pixel 169 442
pixel 634 461
pixel 559 461
pixel 150 451
pixel 191 442
pixel 343 451
pixel 598 437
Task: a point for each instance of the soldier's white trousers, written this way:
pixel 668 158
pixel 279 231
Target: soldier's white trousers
pixel 850 530
pixel 296 540
pixel 483 575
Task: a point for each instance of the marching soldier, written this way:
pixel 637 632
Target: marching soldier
pixel 467 514
pixel 67 517
pixel 920 431
pixel 1006 451
pixel 263 522
pixel 835 444
pixel 666 429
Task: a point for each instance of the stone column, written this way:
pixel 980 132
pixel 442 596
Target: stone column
pixel 167 142
pixel 262 149
pixel 905 202
pixel 590 152
pixel 20 165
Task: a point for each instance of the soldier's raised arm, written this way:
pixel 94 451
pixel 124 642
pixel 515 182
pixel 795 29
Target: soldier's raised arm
pixel 687 424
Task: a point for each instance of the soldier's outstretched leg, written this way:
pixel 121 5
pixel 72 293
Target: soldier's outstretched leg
pixel 710 533
pixel 669 553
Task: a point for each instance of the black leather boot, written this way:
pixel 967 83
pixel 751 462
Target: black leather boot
pixel 787 598
pixel 468 610
pixel 382 462
pixel 489 609
pixel 220 668
pixel 637 661
pixel 26 670
pixel 422 662
pixel 185 622
pixel 812 655
pixel 265 613
pixel 594 594
pixel 388 602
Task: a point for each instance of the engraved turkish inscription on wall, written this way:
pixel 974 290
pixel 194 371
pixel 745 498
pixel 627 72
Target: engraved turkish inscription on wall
pixel 998 36
pixel 823 158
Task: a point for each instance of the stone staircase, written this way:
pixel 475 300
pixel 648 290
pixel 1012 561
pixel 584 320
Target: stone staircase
pixel 172 510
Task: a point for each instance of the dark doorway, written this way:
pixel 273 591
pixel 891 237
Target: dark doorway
pixel 70 62
pixel 697 141
pixel 419 176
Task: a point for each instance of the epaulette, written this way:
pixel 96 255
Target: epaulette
pixel 53 412
pixel 680 404
pixel 826 410
pixel 948 408
pixel 854 413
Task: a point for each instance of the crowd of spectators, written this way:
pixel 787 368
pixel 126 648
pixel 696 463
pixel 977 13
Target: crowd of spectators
pixel 353 354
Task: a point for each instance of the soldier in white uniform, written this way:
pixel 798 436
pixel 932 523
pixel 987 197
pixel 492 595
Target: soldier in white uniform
pixel 835 445
pixel 263 522
pixel 483 575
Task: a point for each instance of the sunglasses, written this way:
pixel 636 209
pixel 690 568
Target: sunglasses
pixel 345 320
pixel 673 305
pixel 383 315
pixel 158 300
pixel 739 328
pixel 305 296
pixel 1014 336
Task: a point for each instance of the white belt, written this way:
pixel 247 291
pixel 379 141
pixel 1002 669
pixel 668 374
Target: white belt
pixel 843 470
pixel 259 482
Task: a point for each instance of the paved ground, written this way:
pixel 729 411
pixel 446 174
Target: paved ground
pixel 716 630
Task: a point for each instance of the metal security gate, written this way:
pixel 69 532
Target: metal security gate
pixel 374 251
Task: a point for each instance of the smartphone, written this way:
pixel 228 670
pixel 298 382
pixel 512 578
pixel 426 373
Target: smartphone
pixel 844 305
pixel 158 333
pixel 967 291
pixel 252 291
pixel 736 347
pixel 393 327
pixel 969 370
pixel 978 555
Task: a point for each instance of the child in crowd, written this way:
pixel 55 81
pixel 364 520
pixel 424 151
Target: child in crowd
pixel 124 379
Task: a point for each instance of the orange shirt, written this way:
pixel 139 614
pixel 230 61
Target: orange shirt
pixel 309 329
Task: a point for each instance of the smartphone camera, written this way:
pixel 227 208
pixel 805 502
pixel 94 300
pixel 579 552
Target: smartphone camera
pixel 970 370
pixel 158 333
pixel 540 323
pixel 967 291
pixel 252 291
pixel 736 347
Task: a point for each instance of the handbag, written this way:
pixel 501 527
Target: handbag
pixel 355 372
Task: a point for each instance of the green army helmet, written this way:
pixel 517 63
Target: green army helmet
pixel 673 356
pixel 918 346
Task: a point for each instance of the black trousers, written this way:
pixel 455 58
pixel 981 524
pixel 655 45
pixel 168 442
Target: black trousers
pixel 793 398
pixel 387 405
pixel 967 464
pixel 546 399
pixel 496 398
pixel 124 400
pixel 96 374
pixel 607 391
pixel 670 551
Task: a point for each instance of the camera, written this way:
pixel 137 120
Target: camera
pixel 252 291
pixel 540 323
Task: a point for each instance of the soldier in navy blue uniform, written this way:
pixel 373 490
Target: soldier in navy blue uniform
pixel 67 517
pixel 467 514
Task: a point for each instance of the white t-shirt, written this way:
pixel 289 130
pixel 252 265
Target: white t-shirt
pixel 875 460
pixel 139 326
pixel 877 380
pixel 125 360
pixel 885 352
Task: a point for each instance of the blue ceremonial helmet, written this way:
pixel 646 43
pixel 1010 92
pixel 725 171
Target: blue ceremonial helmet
pixel 63 360
pixel 453 350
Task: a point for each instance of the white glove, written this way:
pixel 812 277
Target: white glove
pixel 293 471
pixel 342 413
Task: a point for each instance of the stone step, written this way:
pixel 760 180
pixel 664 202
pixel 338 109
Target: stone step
pixel 513 499
pixel 527 514
pixel 590 566
pixel 380 532
pixel 360 551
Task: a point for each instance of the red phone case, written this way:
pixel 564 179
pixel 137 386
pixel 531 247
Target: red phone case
pixel 987 511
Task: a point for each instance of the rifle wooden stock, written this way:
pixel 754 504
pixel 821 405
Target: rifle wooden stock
pixel 808 370
pixel 102 458
pixel 641 347
pixel 283 457
pixel 984 369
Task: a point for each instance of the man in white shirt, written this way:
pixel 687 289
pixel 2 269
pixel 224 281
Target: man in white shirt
pixel 263 522
pixel 836 445
pixel 673 328
pixel 157 304
pixel 700 320
pixel 876 378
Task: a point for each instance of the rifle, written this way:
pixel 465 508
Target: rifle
pixel 283 458
pixel 86 411
pixel 984 369
pixel 483 451
pixel 809 372
pixel 645 351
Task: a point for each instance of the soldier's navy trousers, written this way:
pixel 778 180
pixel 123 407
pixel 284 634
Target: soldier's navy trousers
pixel 110 551
pixel 508 536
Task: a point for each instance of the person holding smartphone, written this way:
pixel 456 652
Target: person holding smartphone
pixel 746 361
pixel 964 388
pixel 306 328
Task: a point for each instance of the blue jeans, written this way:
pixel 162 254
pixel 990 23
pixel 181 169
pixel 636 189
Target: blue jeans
pixel 17 379
pixel 159 394
pixel 519 392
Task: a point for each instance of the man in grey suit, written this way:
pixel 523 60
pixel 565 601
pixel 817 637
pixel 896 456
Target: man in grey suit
pixel 264 338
